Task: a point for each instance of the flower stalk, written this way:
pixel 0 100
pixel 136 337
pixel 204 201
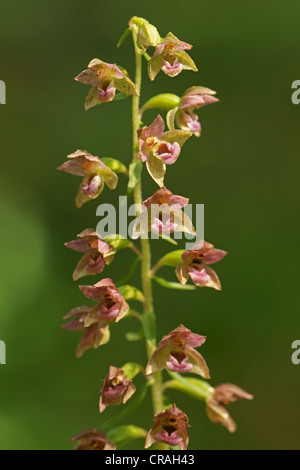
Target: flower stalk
pixel 157 393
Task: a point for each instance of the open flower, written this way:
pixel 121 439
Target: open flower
pixel 95 173
pixel 104 79
pixel 223 395
pixel 91 439
pixel 193 98
pixel 176 352
pixel 158 148
pixel 170 57
pixel 98 253
pixel 194 265
pixel 94 335
pixel 117 388
pixel 162 214
pixel 110 307
pixel 170 427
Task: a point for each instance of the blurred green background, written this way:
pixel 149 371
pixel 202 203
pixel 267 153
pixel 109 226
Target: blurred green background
pixel 244 168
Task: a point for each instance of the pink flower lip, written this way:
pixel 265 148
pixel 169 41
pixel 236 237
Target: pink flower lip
pixel 168 435
pixel 175 366
pixel 92 187
pixel 114 392
pixel 168 153
pixel 171 69
pixel 106 94
pixel 199 276
pixel 161 227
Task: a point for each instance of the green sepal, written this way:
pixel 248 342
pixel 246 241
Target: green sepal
pixel 163 101
pixel 170 118
pixel 118 242
pixel 195 388
pixel 131 369
pixel 132 293
pixel 173 285
pixel 178 136
pixel 135 335
pixel 115 165
pixel 120 96
pixel 124 434
pixel 135 170
pixel 186 61
pixel 172 259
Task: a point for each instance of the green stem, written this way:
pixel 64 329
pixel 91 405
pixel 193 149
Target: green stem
pixel 157 393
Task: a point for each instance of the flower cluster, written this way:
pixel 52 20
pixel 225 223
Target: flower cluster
pixel 162 213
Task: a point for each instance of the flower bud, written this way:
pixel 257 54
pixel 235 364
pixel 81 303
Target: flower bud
pixel 146 34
